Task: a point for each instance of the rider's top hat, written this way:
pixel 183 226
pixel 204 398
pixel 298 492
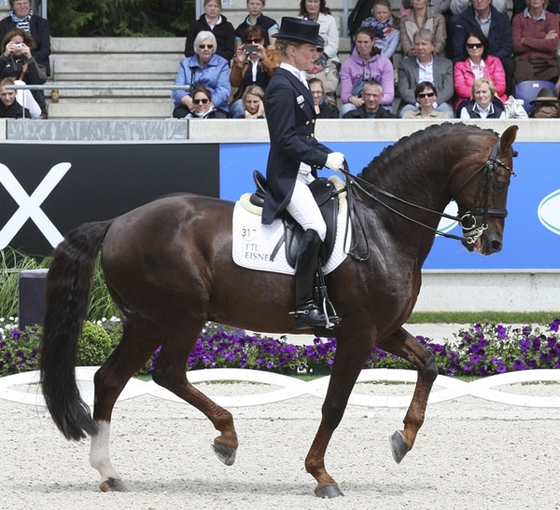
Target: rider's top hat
pixel 302 30
pixel 546 96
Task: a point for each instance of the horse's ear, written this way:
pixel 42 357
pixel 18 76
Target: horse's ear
pixel 508 137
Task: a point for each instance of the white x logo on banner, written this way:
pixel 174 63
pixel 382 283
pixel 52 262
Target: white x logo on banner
pixel 29 206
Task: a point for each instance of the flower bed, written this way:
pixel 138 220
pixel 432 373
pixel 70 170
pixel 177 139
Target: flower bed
pixel 481 350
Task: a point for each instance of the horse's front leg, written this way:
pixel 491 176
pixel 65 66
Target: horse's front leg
pixel 403 344
pixel 349 360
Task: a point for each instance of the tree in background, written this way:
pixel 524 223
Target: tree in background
pixel 124 18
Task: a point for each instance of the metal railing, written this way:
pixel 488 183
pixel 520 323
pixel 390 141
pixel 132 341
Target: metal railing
pixel 95 86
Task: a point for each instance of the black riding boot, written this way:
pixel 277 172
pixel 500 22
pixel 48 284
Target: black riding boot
pixel 308 313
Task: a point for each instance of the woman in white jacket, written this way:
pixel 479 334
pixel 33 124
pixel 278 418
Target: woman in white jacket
pixel 317 11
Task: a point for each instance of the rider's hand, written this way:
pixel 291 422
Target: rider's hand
pixel 335 161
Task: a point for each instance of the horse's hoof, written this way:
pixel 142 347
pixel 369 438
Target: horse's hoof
pixel 328 492
pixel 112 485
pixel 398 446
pixel 224 453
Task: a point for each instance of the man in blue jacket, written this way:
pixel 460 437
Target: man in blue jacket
pixel 483 16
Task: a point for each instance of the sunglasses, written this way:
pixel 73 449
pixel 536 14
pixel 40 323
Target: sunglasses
pixel 427 94
pixel 198 101
pixel 253 41
pixel 474 46
pixel 202 46
pixel 320 49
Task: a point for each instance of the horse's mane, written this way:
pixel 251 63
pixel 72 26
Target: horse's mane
pixel 423 138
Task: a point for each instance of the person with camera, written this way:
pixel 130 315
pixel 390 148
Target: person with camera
pixel 17 62
pixel 294 157
pixel 253 65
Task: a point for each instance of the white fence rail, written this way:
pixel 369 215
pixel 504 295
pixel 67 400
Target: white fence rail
pixel 24 388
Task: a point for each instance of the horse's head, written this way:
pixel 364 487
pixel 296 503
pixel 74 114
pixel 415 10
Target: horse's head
pixel 481 195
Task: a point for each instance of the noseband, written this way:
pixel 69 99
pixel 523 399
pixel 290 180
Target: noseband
pixel 466 219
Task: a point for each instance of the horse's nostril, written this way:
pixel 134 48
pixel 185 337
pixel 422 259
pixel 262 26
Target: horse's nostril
pixel 496 246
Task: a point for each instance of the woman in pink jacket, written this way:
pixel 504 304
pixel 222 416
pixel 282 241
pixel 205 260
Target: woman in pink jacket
pixel 478 64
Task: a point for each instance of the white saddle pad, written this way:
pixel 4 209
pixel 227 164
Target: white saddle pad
pixel 253 243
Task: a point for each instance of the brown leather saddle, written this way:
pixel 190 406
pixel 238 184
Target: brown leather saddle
pixel 326 196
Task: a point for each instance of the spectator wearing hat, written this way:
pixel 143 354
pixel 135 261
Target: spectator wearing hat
pixel 294 158
pixel 545 106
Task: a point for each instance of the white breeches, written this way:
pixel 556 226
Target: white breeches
pixel 303 207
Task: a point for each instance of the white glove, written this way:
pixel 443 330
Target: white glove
pixel 335 161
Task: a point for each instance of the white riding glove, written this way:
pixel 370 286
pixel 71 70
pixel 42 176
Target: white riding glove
pixel 335 161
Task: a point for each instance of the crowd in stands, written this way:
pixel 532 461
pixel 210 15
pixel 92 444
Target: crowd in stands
pixel 458 59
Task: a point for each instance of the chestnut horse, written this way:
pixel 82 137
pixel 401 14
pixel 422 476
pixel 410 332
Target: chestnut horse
pixel 168 266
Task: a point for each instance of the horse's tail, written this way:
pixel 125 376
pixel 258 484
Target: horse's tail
pixel 67 299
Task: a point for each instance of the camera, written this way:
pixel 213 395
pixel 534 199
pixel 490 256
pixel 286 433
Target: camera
pixel 18 46
pixel 251 48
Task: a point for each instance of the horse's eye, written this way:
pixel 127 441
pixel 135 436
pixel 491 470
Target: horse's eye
pixel 499 185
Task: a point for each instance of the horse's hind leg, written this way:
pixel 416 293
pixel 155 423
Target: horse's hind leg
pixel 403 344
pixel 139 342
pixel 170 373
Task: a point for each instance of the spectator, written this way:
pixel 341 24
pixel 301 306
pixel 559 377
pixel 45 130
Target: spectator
pixel 478 64
pixel 21 16
pixel 545 106
pixel 365 63
pixel 212 21
pixel 385 28
pixel 323 106
pixel 426 67
pixel 426 95
pixel 18 63
pixel 253 65
pixel 371 107
pixel 483 16
pixel 325 70
pixel 203 107
pixel 422 16
pixel 483 103
pixel 9 107
pixel 204 68
pixel 317 11
pixel 520 5
pixel 256 17
pixel 253 106
pixel 459 6
pixel 439 6
pixel 535 42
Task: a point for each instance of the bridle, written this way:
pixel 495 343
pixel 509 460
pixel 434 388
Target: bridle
pixel 466 219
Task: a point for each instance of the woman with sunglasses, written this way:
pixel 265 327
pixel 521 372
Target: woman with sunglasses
pixel 477 63
pixel 253 65
pixel 212 21
pixel 204 68
pixel 203 107
pixel 426 94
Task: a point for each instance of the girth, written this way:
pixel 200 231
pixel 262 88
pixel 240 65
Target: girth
pixel 325 195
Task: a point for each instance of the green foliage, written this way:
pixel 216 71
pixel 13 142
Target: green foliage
pixel 101 304
pixel 94 345
pixel 493 317
pixel 124 18
pixel 19 350
pixel 11 263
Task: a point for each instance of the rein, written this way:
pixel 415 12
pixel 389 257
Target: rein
pixel 467 220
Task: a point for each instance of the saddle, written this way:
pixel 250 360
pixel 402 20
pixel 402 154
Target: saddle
pixel 325 194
